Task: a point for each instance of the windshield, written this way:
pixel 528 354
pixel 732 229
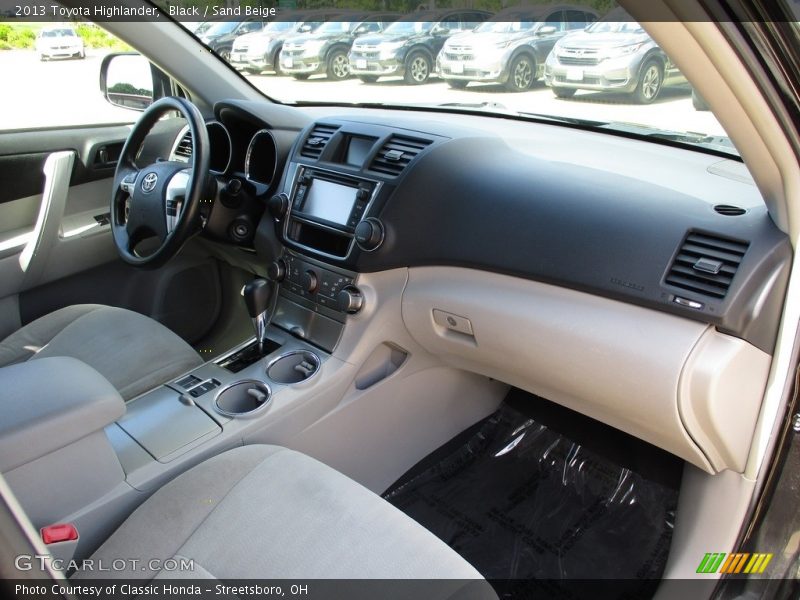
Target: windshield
pixel 615 27
pixel 52 33
pixel 221 28
pixel 584 70
pixel 280 26
pixel 509 25
pixel 336 27
pixel 409 27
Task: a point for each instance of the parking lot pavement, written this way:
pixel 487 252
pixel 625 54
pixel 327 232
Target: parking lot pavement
pixel 45 94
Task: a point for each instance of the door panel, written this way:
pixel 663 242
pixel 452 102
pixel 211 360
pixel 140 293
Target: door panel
pixel 55 239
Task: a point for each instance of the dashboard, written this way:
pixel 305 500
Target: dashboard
pixel 352 195
pixel 532 252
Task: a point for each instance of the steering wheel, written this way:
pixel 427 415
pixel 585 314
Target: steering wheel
pixel 161 200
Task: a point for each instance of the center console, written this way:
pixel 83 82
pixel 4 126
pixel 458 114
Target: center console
pixel 327 215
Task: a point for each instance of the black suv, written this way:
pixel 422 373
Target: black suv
pixel 325 50
pixel 510 48
pixel 409 46
pixel 220 36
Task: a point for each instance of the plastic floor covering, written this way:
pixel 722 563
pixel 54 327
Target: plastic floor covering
pixel 522 502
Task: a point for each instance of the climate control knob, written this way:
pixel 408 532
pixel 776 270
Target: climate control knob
pixel 369 234
pixel 276 271
pixel 350 300
pixel 310 281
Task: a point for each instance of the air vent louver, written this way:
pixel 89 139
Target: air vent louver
pixel 317 140
pixel 706 264
pixel 729 210
pixel 183 151
pixel 396 153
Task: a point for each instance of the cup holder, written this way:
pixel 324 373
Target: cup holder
pixel 243 398
pixel 293 367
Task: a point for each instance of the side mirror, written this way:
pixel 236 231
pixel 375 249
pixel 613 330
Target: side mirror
pixel 126 80
pixel 361 29
pixel 439 29
pixel 546 30
pixel 304 28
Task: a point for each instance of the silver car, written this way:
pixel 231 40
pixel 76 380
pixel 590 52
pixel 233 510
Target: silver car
pixel 612 55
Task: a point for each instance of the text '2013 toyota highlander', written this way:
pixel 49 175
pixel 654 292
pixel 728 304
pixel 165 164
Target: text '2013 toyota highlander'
pixel 325 339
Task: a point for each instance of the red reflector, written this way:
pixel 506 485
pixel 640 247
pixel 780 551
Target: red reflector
pixel 63 532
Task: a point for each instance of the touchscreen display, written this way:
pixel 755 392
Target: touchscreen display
pixel 329 201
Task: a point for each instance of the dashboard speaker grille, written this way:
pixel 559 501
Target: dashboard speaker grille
pixel 317 140
pixel 706 264
pixel 396 153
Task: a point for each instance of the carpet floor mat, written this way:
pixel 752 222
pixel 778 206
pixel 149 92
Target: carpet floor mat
pixel 520 501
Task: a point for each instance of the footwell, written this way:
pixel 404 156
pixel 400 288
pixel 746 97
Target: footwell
pixel 520 501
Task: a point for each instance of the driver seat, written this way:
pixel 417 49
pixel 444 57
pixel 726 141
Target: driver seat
pixel 134 352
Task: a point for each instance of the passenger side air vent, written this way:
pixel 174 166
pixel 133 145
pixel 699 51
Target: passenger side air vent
pixel 317 140
pixel 396 153
pixel 706 264
pixel 183 151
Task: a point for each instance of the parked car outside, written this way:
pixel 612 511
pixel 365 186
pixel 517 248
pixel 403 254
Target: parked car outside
pixel 220 36
pixel 612 55
pixel 260 51
pixel 326 49
pixel 409 46
pixel 59 42
pixel 511 47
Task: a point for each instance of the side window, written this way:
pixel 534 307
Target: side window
pixel 60 65
pixel 590 18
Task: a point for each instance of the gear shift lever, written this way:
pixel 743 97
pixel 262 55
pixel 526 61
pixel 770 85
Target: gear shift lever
pixel 257 295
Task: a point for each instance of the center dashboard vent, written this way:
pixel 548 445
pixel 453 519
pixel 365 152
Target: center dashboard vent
pixel 706 264
pixel 183 151
pixel 317 140
pixel 396 153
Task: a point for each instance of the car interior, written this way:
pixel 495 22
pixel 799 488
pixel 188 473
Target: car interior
pixel 329 341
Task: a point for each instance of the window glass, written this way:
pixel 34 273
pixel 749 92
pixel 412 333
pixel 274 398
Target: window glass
pixel 57 69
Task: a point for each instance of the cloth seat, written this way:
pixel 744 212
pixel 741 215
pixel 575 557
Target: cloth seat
pixel 134 352
pixel 267 512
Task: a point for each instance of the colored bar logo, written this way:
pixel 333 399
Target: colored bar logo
pixel 740 562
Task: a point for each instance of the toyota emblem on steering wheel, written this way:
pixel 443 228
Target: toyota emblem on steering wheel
pixel 149 182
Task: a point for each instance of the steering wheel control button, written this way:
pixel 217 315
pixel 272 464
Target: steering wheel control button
pixel 128 183
pixel 350 300
pixel 369 234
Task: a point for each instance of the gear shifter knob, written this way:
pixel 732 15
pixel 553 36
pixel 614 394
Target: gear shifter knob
pixel 257 296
